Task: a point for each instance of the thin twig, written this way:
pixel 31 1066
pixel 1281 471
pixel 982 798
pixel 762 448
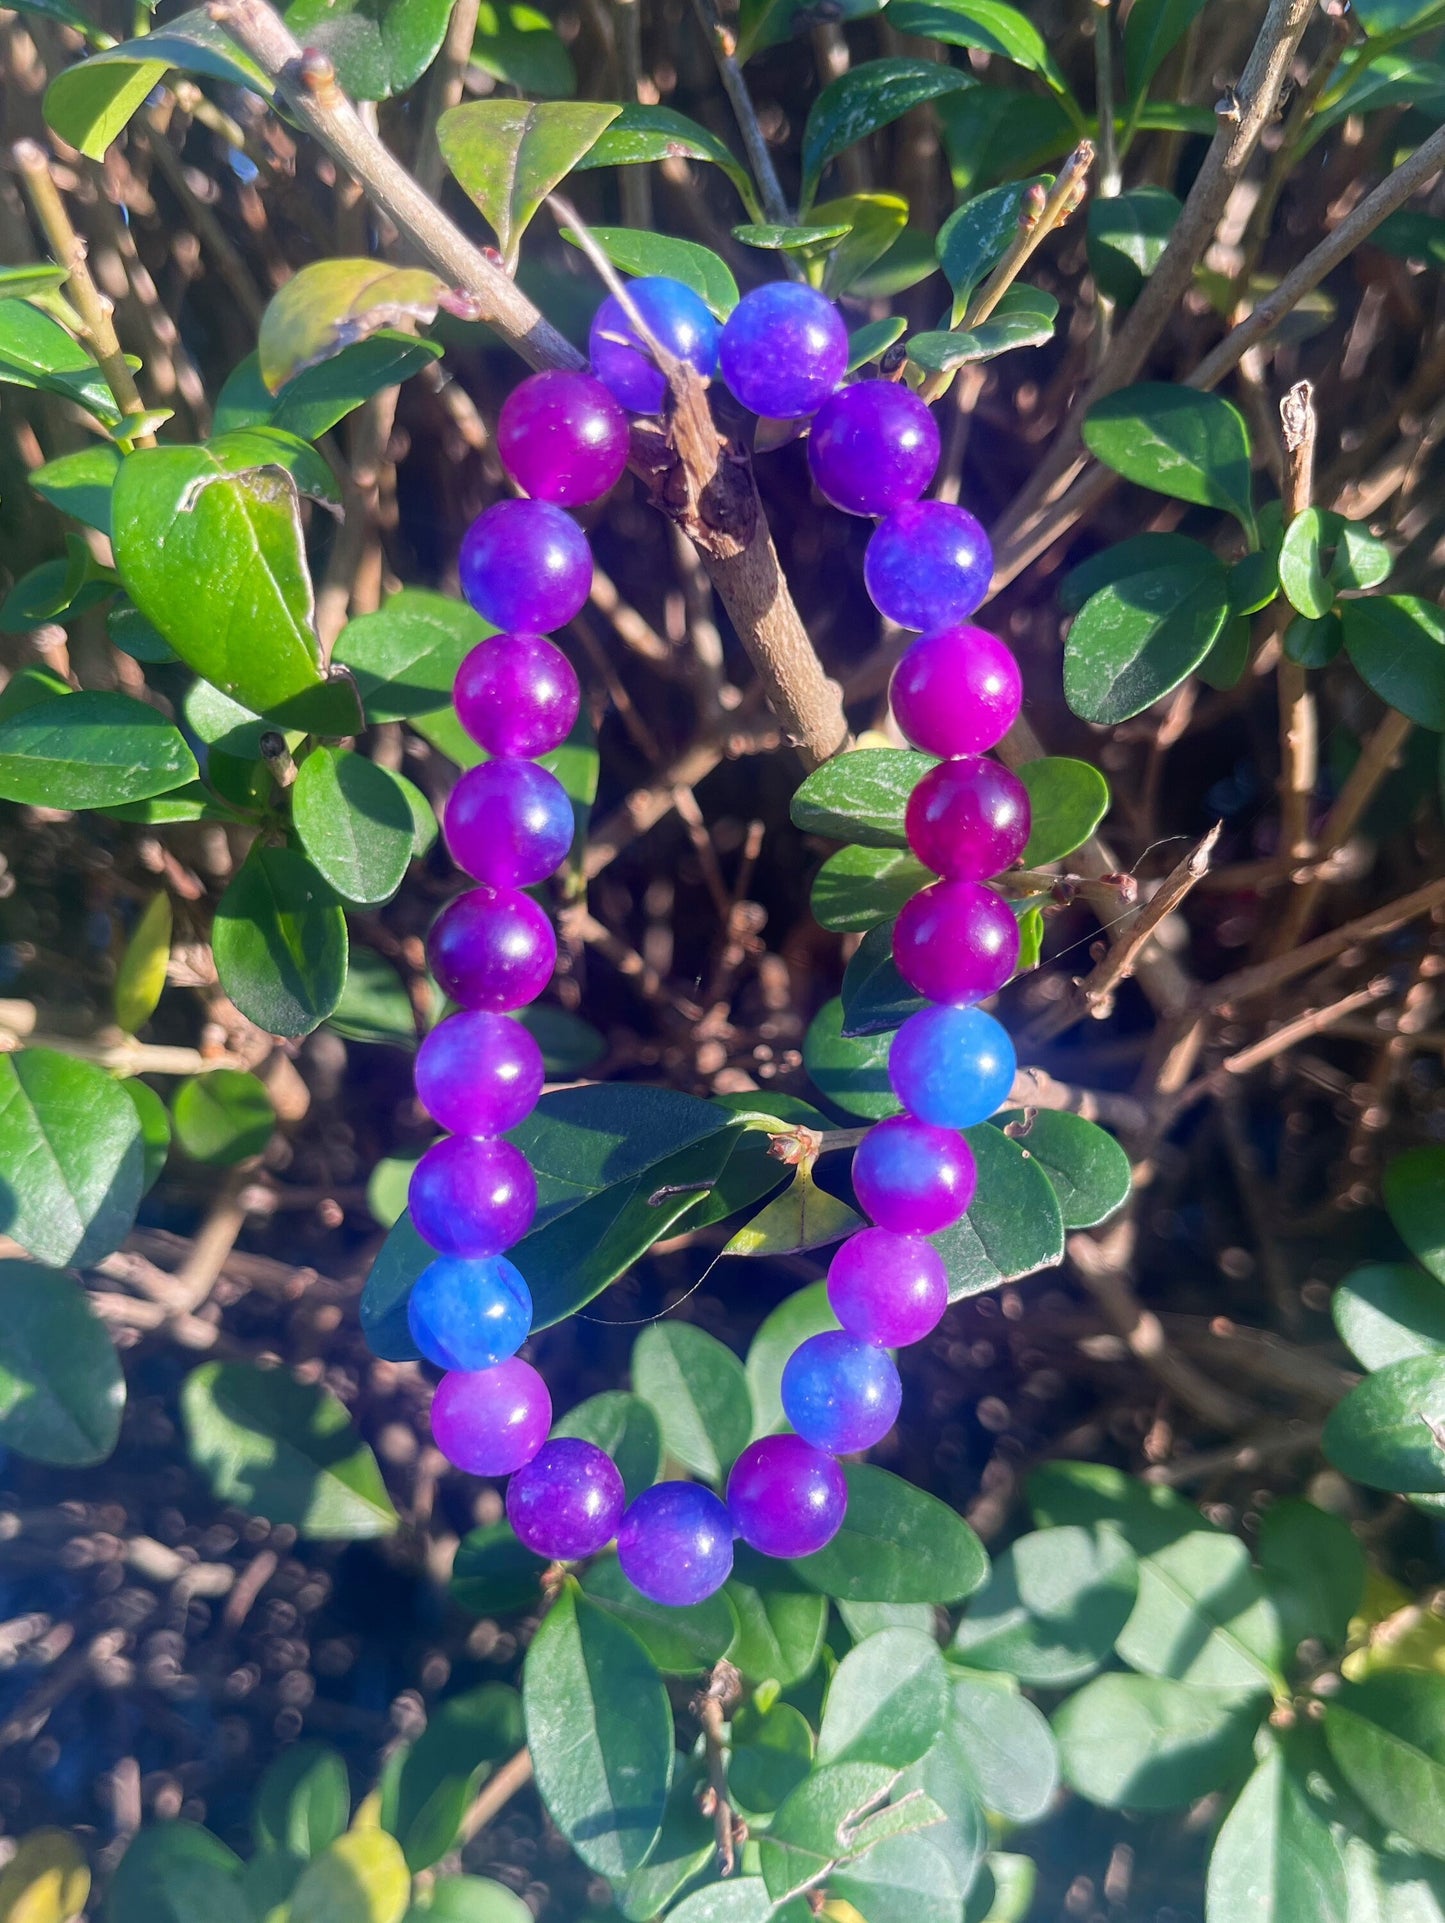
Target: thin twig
pixel 444 90
pixel 1298 742
pixel 723 43
pixel 495 1794
pixel 1314 1021
pixel 1267 975
pixel 712 1707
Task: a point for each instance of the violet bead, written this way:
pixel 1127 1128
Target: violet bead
pixel 562 437
pixel 471 1197
pixel 567 1501
pixel 677 318
pixel 676 1543
pixel 956 691
pixel 492 948
pixel 491 1422
pixel 784 349
pixel 526 565
pixel 873 447
pixel 509 823
pixel 956 942
pixel 912 1177
pixel 479 1074
pixel 517 694
pixel 952 1066
pixel 968 818
pixel 929 562
pixel 469 1312
pixel 785 1497
pixel 888 1289
pixel 840 1394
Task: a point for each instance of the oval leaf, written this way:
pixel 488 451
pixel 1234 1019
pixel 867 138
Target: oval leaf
pixel 61 1389
pixel 886 1702
pixel 280 942
pixel 1145 1742
pixel 1178 441
pixel 355 822
pixel 70 1147
pixel 1068 800
pixel 1389 1431
pixel 224 1117
pixel 510 154
pixel 697 1389
pixel 91 750
pixel 1136 639
pixel 897 1544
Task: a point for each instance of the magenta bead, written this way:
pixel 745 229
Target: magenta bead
pixel 525 565
pixel 479 1074
pixel 956 691
pixel 887 1288
pixel 872 447
pixel 517 694
pixel 840 1394
pixel 472 1197
pixel 509 823
pixel 562 437
pixel 492 948
pixel 567 1501
pixel 912 1177
pixel 968 819
pixel 785 1497
pixel 491 1422
pixel 928 562
pixel 676 1543
pixel 956 942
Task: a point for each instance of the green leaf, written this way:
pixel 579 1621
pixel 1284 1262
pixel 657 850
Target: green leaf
pixel 61 1389
pixel 1146 1743
pixel 1415 1198
pixel 897 1544
pixel 818 1825
pixel 1314 1569
pixel 864 99
pixel 1086 1168
pixel 303 1800
pixel 763 23
pixel 780 1622
pixel 28 687
pixel 141 976
pixel 976 236
pixel 1389 1431
pixel 50 593
pixel 1388 1311
pixel 627 1428
pixel 29 278
pixel 861 796
pixel 493 1574
pixel 637 251
pixel 355 822
pixel 1153 29
pixel 378 47
pixel 1314 644
pixel 1253 581
pixel 987 25
pixel 1226 661
pixel 769 1755
pixel 681 1641
pixel 1014 1225
pixel 568 1044
pixel 510 154
pixel 248 450
pixel 88 104
pixel 1178 441
pixel 155 1127
pixel 642 133
pixel 872 341
pixel 1411 234
pixel 741 1899
pixel 1137 639
pixel 1051 1607
pixel 328 390
pixel 804 1216
pixel 946 1775
pixel 285 1450
pixel 223 1117
pixel 858 887
pixel 70 1146
pixel 80 484
pixel 1068 800
pixel 1323 554
pixel 90 750
pixel 875 996
pixel 1392 1885
pixel 1204 1617
pixel 1127 234
pixel 887 1701
pixel 36 352
pixel 806 1312
pixel 471 1899
pixel 1010 1750
pixel 1089 1493
pixel 699 1393
pixel 280 942
pixel 519 45
pixel 1139 554
pixel 600 1731
pixel 173 1873
pixel 1387 1737
pixel 688 1842
pixel 851 1072
pixel 374 1005
pixel 875 222
pixel 432 1784
pixel 1024 317
pixel 905 1879
pixel 330 305
pixel 775 237
pixel 361 1878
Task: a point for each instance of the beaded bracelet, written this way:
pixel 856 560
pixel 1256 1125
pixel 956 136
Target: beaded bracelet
pixel 525 566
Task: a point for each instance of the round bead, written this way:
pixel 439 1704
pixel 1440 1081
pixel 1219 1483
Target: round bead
pixel 956 942
pixel 676 1543
pixel 928 562
pixel 479 1074
pixel 785 1497
pixel 952 1066
pixel 509 823
pixel 562 437
pixel 492 948
pixel 967 819
pixel 517 694
pixel 469 1312
pixel 956 691
pixel 470 1197
pixel 567 1501
pixel 678 320
pixel 840 1394
pixel 912 1177
pixel 525 564
pixel 873 447
pixel 784 349
pixel 888 1289
pixel 492 1421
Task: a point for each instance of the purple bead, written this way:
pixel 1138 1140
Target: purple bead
pixel 677 319
pixel 491 1422
pixel 912 1177
pixel 888 1289
pixel 967 819
pixel 517 694
pixel 471 1197
pixel 840 1394
pixel 928 562
pixel 956 942
pixel 492 948
pixel 509 823
pixel 957 691
pixel 525 565
pixel 479 1074
pixel 952 1066
pixel 873 447
pixel 784 349
pixel 469 1312
pixel 676 1543
pixel 562 437
pixel 567 1501
pixel 785 1497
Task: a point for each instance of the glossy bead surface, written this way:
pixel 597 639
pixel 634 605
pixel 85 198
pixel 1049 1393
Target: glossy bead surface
pixel 873 447
pixel 952 1066
pixel 784 349
pixel 785 1497
pixel 562 437
pixel 886 1288
pixel 927 564
pixel 676 1543
pixel 469 1312
pixel 840 1394
pixel 957 691
pixel 491 1422
pixel 956 942
pixel 525 565
pixel 517 694
pixel 567 1501
pixel 492 948
pixel 509 823
pixel 471 1197
pixel 479 1074
pixel 968 819
pixel 677 318
pixel 912 1177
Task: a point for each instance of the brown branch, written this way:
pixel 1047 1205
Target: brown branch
pixel 712 1707
pixel 495 1794
pixel 1314 1021
pixel 1267 975
pixel 1298 734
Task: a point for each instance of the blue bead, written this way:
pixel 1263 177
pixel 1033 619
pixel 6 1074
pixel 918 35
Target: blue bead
pixel 680 322
pixel 839 1393
pixel 952 1066
pixel 784 349
pixel 928 565
pixel 469 1312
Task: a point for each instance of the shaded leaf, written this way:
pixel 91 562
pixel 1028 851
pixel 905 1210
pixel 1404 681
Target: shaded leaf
pixel 1127 234
pixel 327 390
pixel 1085 1166
pixel 518 44
pixel 378 47
pixel 493 1573
pixel 1414 1194
pixel 80 484
pixel 680 1641
pixel 864 99
pixel 887 1701
pixel 1178 441
pixel 1387 1737
pixel 280 942
pixel 875 996
pixel 1314 1569
pixel 1051 1607
pixel 780 1622
pixel 1203 1617
pixel 624 1426
pixel 806 1312
pixel 697 1389
pixel 1024 317
pixel 61 1389
pixel 897 1544
pixel 1068 799
pixel 223 1117
pixel 90 750
pixel 851 1072
pixel 303 1800
pixel 1388 1311
pixel 433 1783
pixel 70 1151
pixel 1135 640
pixel 1389 1431
pixel 1146 1742
pixel 858 887
pixel 985 24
